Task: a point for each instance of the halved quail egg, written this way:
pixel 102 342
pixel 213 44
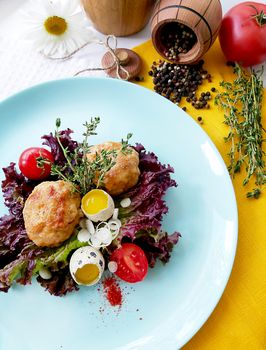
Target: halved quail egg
pixel 97 205
pixel 86 266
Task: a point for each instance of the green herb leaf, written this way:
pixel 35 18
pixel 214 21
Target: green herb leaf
pixel 83 173
pixel 125 146
pixel 254 194
pixel 58 123
pixel 242 104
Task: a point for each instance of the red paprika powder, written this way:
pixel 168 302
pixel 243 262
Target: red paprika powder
pixel 112 291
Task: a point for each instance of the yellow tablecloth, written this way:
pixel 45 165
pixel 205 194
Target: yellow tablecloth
pixel 239 320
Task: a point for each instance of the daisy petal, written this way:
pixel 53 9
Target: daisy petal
pixel 47 31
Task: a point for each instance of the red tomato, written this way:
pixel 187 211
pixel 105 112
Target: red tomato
pixel 243 33
pixel 132 264
pixel 35 163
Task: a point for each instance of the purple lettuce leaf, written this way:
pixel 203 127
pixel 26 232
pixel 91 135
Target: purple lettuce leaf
pixel 32 259
pixel 10 272
pixel 60 284
pixel 156 245
pixel 21 269
pixel 13 238
pixel 56 150
pixel 141 221
pixel 16 189
pixel 147 205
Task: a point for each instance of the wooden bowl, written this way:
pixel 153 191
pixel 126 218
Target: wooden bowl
pixel 118 17
pixel 203 17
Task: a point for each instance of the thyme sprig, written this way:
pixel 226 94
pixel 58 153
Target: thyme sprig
pixel 125 149
pixel 83 173
pixel 242 104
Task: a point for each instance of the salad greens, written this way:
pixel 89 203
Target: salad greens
pixel 21 259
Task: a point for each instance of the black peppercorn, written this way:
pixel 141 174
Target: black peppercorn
pixel 177 39
pixel 175 81
pixel 200 120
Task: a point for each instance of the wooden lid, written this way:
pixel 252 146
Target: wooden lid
pixel 129 60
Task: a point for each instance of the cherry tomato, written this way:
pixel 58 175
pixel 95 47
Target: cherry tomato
pixel 132 264
pixel 35 163
pixel 243 33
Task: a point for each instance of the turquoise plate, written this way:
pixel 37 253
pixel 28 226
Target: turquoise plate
pixel 175 300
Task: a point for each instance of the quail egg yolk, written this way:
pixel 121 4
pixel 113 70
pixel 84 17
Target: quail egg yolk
pixel 87 274
pixel 94 201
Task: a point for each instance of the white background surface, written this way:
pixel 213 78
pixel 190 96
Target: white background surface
pixel 20 67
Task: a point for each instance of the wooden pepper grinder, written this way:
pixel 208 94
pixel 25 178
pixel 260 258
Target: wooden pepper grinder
pixel 202 18
pixel 118 17
pixel 128 60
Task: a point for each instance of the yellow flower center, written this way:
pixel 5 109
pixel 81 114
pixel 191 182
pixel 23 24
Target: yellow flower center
pixel 55 25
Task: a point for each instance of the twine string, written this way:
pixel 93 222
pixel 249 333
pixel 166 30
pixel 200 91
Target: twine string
pixel 111 48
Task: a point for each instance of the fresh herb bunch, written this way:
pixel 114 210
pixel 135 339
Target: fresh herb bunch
pixel 78 170
pixel 242 103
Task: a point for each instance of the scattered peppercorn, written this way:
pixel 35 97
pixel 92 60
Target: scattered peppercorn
pixel 137 78
pixel 200 120
pixel 177 39
pixel 175 81
pixel 184 108
pixel 213 89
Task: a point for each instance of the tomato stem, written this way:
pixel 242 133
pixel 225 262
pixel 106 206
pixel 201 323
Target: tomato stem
pixel 260 17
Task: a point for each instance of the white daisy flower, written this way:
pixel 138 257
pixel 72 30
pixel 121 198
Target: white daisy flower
pixel 57 27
